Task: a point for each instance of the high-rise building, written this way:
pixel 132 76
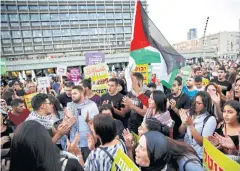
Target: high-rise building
pixel 192 34
pixel 36 29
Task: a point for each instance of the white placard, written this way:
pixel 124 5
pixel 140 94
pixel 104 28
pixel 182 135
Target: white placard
pixel 43 82
pixel 62 71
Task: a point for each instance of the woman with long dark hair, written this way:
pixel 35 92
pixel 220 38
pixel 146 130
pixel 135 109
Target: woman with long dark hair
pixel 157 104
pixel 156 152
pixel 218 99
pixel 29 153
pixel 237 90
pixel 199 122
pixel 58 111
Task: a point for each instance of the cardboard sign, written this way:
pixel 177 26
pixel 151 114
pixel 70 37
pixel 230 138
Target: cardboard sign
pixel 74 75
pixel 144 70
pixel 99 89
pixel 205 81
pixel 61 71
pixel 28 100
pixel 213 159
pixel 123 163
pixel 43 82
pixel 93 58
pixel 185 72
pixel 96 72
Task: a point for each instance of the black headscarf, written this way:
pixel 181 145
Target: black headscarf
pixel 157 150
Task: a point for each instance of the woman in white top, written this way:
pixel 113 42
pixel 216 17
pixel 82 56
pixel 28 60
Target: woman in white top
pixel 199 123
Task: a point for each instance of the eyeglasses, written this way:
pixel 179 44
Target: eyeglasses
pixel 198 103
pixel 48 103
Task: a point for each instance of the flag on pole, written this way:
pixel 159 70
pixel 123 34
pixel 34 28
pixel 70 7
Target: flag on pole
pixel 33 76
pixel 24 75
pixel 20 77
pixel 149 46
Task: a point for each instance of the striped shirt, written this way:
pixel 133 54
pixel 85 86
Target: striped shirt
pixel 98 160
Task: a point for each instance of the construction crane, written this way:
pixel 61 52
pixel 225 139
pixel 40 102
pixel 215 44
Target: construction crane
pixel 204 39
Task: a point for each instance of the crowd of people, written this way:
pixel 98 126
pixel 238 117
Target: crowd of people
pixel 71 128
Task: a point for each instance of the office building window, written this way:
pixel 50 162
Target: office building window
pixel 119 21
pixel 110 30
pixel 126 15
pixel 47 33
pixel 66 38
pixel 127 29
pixel 7 50
pixel 38 47
pixel 109 15
pixel 37 40
pixel 3 17
pixel 17 40
pixel 3 7
pixel 6 41
pixel 43 7
pixel 25 24
pixel 54 16
pixel 53 7
pixel 64 23
pixel 74 7
pixel 64 16
pixel 27 40
pixel 36 24
pixel 4 24
pixel 16 34
pixel 66 32
pixel 37 33
pixel 48 47
pixel 45 23
pixel 28 48
pixel 74 22
pixel 67 46
pixel 13 17
pixel 45 17
pixel 21 7
pixel 33 7
pixel 58 46
pixel 35 17
pixel 119 30
pixel 76 37
pixel 14 24
pixel 56 32
pixel 18 49
pixel 55 23
pixel 102 30
pixel 73 16
pixel 48 39
pixel 118 15
pixel 11 7
pixel 75 31
pixel 110 21
pixel 57 39
pixel 26 33
pixel 24 17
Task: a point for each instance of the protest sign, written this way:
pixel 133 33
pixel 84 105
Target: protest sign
pixel 205 81
pixel 43 82
pixel 123 163
pixel 93 58
pixel 144 70
pixel 99 89
pixel 28 100
pixel 96 72
pixel 213 159
pixel 74 75
pixel 61 71
pixel 185 72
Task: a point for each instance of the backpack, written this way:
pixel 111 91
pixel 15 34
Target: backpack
pixel 204 122
pixel 64 163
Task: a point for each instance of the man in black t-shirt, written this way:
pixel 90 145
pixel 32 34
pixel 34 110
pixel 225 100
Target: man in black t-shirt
pixel 177 100
pixel 137 102
pixel 221 81
pixel 66 97
pixel 114 98
pixel 19 90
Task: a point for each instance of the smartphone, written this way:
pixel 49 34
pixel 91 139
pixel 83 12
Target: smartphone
pixel 57 123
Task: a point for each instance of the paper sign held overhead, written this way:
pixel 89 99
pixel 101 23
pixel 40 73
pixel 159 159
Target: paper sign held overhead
pixel 93 58
pixel 61 71
pixel 96 72
pixel 43 82
pixel 74 75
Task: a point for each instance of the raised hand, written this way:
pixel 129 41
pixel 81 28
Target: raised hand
pixel 226 141
pixel 91 142
pixel 215 98
pixel 183 115
pixel 128 137
pixel 71 146
pixel 173 103
pixel 5 165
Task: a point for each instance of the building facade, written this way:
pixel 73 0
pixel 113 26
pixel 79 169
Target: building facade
pixel 192 34
pixel 46 29
pixel 222 44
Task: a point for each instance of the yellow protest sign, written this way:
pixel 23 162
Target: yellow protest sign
pixel 213 159
pixel 99 89
pixel 28 100
pixel 144 70
pixel 205 81
pixel 136 136
pixel 96 72
pixel 123 162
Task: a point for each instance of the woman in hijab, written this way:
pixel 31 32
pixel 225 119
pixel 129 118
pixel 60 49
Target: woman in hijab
pixel 156 152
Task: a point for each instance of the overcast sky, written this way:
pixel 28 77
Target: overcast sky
pixel 175 17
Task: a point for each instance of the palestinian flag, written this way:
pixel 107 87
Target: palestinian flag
pixel 149 46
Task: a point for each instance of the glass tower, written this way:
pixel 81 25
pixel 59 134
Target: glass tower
pixel 41 27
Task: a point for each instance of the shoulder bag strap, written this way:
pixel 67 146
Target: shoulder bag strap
pixel 109 155
pixel 190 160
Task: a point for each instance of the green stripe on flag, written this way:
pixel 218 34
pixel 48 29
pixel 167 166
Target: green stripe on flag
pixel 145 56
pixel 171 80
